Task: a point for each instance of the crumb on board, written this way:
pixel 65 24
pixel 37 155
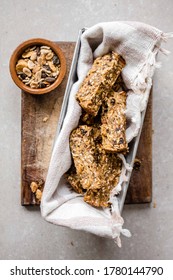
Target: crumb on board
pixel 45 119
pixel 37 189
pixel 34 186
pixel 154 204
pixel 38 194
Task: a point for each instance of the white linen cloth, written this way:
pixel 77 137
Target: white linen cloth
pixel 138 43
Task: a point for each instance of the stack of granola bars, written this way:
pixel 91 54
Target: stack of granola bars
pixel 100 136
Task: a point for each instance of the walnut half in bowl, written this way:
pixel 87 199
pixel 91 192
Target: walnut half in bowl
pixel 38 66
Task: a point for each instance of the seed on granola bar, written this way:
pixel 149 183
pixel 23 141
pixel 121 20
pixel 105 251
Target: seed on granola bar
pixel 97 199
pixel 114 123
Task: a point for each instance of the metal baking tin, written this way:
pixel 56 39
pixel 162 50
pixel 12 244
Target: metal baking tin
pixel 133 145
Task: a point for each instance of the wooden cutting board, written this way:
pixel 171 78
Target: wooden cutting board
pixel 39 123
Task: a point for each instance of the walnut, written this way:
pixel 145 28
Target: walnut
pixel 38 194
pixel 34 186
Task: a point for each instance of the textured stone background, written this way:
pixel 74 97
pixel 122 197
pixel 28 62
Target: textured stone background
pixel 23 233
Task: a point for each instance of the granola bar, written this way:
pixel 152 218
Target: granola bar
pixel 100 134
pixel 114 123
pixel 109 169
pixel 102 75
pixel 97 172
pixel 82 144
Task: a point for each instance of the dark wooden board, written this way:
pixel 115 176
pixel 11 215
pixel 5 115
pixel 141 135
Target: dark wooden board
pixel 140 187
pixel 39 123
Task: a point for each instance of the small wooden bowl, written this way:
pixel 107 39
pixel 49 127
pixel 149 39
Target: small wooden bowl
pixel 20 50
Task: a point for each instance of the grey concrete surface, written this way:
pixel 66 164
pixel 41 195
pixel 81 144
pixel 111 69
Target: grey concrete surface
pixel 23 233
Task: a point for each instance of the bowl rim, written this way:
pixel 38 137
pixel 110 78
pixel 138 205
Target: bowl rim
pixel 18 52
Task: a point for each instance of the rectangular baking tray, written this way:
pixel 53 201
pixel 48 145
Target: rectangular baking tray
pixel 134 143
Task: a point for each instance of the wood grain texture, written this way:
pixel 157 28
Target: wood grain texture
pixel 140 187
pixel 40 115
pixel 39 123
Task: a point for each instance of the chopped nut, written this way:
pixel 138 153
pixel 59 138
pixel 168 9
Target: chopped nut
pixel 34 84
pixel 34 186
pixel 154 204
pixel 20 65
pixel 36 69
pixel 33 56
pixel 27 71
pixel 38 194
pixel 38 76
pixel 49 56
pixel 52 67
pixel 31 64
pixel 27 54
pixel 44 51
pixel 45 47
pixel 45 119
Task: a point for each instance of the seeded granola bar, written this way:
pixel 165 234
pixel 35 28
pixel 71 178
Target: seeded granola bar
pixel 102 75
pixel 82 144
pixel 114 123
pixel 109 169
pixel 97 172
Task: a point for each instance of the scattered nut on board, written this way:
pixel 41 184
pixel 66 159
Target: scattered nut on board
pixel 154 204
pixel 37 189
pixel 38 194
pixel 45 119
pixel 34 186
pixel 38 67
